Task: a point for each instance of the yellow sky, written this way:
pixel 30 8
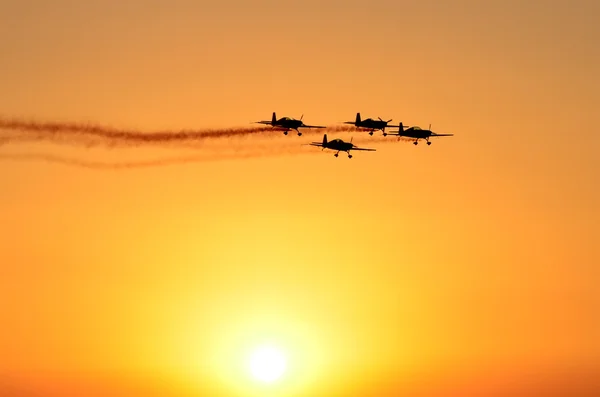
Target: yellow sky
pixel 397 270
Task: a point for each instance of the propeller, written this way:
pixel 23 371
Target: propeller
pixel 301 117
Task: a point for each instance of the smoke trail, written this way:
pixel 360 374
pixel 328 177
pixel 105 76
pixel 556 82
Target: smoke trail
pixel 115 137
pixel 159 162
pixel 92 135
pixel 285 147
pixel 113 166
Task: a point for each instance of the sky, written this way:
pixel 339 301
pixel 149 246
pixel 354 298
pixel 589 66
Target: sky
pixel 470 265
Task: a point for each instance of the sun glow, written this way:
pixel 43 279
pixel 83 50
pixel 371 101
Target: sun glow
pixel 267 364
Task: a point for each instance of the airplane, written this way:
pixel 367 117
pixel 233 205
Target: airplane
pixel 288 123
pixel 373 125
pixel 415 132
pixel 339 145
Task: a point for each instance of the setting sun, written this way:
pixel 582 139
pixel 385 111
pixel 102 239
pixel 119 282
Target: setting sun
pixel 267 364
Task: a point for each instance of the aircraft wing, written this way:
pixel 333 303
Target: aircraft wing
pixel 361 148
pixel 399 133
pixel 315 144
pixel 442 134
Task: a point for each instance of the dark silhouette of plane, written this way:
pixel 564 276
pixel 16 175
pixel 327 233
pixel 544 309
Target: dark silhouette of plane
pixel 371 124
pixel 415 132
pixel 338 145
pixel 288 123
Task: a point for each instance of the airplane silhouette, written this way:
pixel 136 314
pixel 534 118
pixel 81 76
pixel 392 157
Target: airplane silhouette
pixel 287 123
pixel 415 132
pixel 338 145
pixel 371 124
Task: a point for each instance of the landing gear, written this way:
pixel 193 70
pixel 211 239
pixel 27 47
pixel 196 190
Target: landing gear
pixel 429 143
pixel 337 154
pixel 349 156
pixel 299 133
pixel 285 132
pixel 371 133
pixel 415 142
pixel 385 134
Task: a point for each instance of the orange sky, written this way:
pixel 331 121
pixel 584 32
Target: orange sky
pixel 399 270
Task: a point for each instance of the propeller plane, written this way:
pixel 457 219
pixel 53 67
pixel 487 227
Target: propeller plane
pixel 338 145
pixel 371 124
pixel 288 123
pixel 416 133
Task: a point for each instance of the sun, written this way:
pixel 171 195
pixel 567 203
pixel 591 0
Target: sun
pixel 267 364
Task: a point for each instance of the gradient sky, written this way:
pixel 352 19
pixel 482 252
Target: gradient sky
pixel 456 266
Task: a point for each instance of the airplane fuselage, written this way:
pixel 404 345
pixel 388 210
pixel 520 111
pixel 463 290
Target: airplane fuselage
pixel 416 133
pixel 372 124
pixel 338 144
pixel 288 123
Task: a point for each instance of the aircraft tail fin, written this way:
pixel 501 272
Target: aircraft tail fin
pixel 324 139
pixel 274 119
pixel 358 118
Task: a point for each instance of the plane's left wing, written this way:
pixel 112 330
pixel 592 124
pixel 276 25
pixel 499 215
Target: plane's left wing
pixel 360 148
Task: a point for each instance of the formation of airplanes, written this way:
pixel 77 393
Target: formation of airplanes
pixel 286 124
